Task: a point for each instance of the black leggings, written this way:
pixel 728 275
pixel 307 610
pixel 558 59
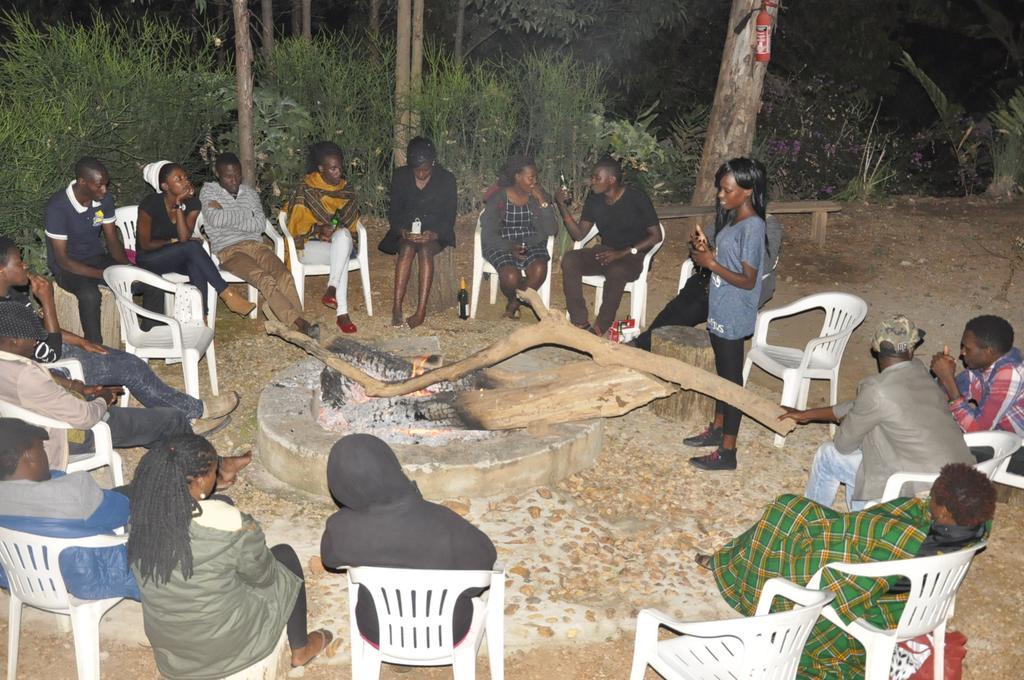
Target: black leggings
pixel 298 634
pixel 728 365
pixel 688 308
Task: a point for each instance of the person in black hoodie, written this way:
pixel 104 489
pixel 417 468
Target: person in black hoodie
pixel 383 521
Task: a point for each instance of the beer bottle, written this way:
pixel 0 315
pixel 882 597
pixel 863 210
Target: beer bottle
pixel 463 298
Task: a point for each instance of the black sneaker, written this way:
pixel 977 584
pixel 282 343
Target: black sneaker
pixel 711 436
pixel 719 459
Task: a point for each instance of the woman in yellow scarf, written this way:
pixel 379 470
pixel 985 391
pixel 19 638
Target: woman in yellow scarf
pixel 322 216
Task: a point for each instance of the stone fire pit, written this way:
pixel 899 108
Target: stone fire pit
pixel 293 444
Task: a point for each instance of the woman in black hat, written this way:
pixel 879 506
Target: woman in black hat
pixel 424 199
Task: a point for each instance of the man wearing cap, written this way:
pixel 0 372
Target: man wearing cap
pixel 234 224
pixel 26 383
pixel 899 422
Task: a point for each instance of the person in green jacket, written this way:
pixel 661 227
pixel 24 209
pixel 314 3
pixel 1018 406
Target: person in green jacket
pixel 215 598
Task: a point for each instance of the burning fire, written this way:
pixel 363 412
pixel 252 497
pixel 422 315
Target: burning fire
pixel 421 365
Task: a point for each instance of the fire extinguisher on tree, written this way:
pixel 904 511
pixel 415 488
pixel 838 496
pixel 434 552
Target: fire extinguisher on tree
pixel 763 31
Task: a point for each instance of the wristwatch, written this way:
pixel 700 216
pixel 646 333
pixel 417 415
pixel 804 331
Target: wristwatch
pixel 633 251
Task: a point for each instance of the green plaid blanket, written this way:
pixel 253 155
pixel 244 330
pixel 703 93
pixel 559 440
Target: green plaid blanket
pixel 794 538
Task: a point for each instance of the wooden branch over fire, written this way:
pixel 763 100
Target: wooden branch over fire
pixel 553 329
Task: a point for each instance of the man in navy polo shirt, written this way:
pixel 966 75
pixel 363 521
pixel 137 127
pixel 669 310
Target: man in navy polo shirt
pixel 74 218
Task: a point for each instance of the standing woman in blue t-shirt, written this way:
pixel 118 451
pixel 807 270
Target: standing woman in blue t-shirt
pixel 733 292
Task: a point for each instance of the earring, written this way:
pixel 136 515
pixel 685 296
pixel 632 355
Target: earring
pixel 202 496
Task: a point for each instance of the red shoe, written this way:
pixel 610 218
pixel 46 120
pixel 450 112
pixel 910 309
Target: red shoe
pixel 345 327
pixel 330 302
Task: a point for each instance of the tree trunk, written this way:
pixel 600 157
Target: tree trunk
pixel 307 20
pixel 460 30
pixel 737 101
pixel 375 17
pixel 243 82
pixel 267 17
pixel 416 67
pixel 445 288
pixel 296 17
pixel 691 346
pixel 403 49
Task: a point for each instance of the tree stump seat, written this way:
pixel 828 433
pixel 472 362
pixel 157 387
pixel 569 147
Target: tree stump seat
pixel 67 314
pixel 692 346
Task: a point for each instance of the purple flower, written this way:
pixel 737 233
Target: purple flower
pixel 828 189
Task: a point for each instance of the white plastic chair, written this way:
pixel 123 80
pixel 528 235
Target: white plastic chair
pixel 934 582
pixel 270 232
pixel 300 270
pixel 819 359
pixel 482 266
pixel 765 646
pixel 103 453
pixel 186 341
pixel 637 289
pixel 32 566
pixel 414 611
pixel 127 219
pixel 1003 444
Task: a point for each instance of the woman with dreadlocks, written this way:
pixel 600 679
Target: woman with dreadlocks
pixel 214 597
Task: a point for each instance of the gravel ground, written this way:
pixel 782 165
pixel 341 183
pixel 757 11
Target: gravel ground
pixel 586 554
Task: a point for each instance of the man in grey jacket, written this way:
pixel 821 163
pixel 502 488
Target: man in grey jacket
pixel 234 225
pixel 899 422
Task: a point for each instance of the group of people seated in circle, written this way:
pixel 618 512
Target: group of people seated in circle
pixel 188 543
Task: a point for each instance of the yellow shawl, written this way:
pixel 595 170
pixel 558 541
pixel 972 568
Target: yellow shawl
pixel 316 202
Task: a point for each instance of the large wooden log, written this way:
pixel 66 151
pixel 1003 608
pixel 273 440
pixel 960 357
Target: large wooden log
pixel 553 329
pixel 567 394
pixel 691 346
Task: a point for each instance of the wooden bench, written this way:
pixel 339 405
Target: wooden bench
pixel 819 211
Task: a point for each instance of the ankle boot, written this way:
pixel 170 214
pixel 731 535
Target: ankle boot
pixel 236 303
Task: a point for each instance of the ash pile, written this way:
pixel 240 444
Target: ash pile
pixel 425 417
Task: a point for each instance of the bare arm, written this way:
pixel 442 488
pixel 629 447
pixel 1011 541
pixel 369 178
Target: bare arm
pixel 69 264
pixel 114 245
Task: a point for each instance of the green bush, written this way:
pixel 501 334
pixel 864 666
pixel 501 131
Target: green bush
pixel 347 87
pixel 125 92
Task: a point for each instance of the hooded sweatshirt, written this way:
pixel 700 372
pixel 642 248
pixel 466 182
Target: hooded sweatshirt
pixel 384 522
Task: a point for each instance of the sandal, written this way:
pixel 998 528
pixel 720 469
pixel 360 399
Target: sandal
pixel 328 638
pixel 703 560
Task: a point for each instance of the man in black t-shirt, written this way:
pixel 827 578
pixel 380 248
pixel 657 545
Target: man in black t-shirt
pixel 628 226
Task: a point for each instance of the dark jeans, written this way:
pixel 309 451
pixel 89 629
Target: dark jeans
pixel 580 263
pixel 688 308
pixel 131 427
pixel 87 291
pixel 728 365
pixel 186 258
pixel 298 635
pixel 120 368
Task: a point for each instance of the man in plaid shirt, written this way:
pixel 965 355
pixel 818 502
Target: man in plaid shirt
pixel 989 395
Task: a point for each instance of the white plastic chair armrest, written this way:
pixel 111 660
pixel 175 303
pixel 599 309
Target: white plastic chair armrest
pixel 704 629
pixel 894 485
pixel 270 232
pixel 591 235
pixel 781 587
pixel 72 366
pixel 766 316
pixel 685 272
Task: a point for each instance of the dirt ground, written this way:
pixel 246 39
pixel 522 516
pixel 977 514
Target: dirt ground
pixel 933 259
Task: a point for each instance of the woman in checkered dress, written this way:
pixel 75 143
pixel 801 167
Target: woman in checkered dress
pixel 514 229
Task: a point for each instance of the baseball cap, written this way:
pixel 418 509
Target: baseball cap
pixel 896 335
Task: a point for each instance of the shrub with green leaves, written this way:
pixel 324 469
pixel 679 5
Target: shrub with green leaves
pixel 125 92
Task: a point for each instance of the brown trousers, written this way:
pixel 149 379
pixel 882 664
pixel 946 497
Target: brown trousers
pixel 579 263
pixel 256 264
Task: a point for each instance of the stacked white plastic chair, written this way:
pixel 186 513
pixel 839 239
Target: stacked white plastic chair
pixel 637 289
pixel 414 611
pixel 934 582
pixel 300 270
pixel 482 266
pixel 765 646
pixel 32 566
pixel 820 357
pixel 182 337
